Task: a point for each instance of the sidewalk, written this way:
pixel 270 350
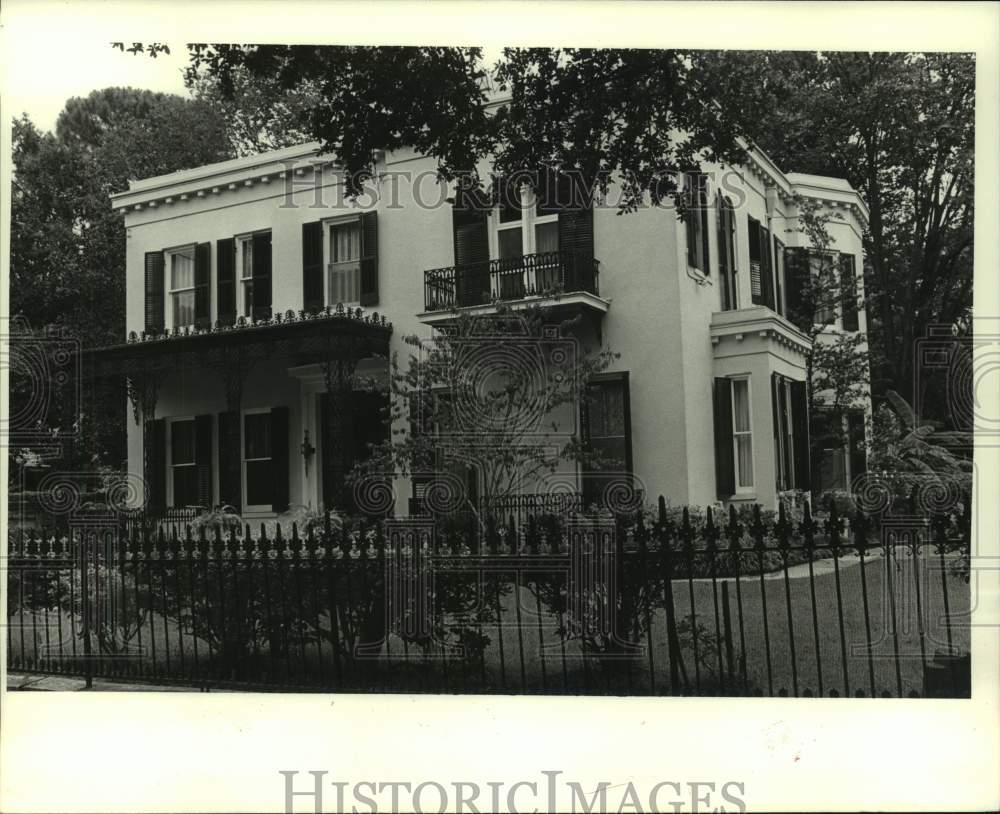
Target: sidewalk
pixel 50 683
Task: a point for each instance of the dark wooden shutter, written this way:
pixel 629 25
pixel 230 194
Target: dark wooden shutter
pixel 262 275
pixel 156 466
pixel 849 293
pixel 155 282
pixel 725 465
pixel 756 262
pixel 776 422
pixel 722 243
pixel 800 429
pixel 856 442
pixel 576 239
pixel 801 309
pixel 778 260
pixel 230 461
pixel 203 458
pixel 225 280
pixel 279 458
pixel 203 285
pixel 470 233
pixel 369 258
pixel 312 267
pixel 766 268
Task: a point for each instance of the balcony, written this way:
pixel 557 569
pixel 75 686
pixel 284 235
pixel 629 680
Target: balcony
pixel 563 277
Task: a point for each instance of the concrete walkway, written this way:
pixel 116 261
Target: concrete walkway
pixel 50 683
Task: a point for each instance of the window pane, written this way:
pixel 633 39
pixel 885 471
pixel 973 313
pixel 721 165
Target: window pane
pixel 259 483
pixel 345 242
pixel 182 442
pixel 181 270
pixel 343 283
pixel 183 308
pixel 185 486
pixel 247 267
pixel 607 410
pixel 741 406
pixel 510 243
pixel 247 299
pixel 257 436
pixel 744 460
pixel 547 237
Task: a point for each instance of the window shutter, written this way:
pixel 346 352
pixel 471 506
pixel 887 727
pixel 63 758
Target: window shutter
pixel 230 461
pixel 722 243
pixel 776 422
pixel 369 258
pixel 312 267
pixel 725 465
pixel 856 443
pixel 766 268
pixel 225 280
pixel 779 274
pixel 797 289
pixel 203 285
pixel 800 429
pixel 279 458
pixel 156 466
pixel 470 233
pixel 155 282
pixel 203 458
pixel 262 275
pixel 576 239
pixel 756 275
pixel 849 290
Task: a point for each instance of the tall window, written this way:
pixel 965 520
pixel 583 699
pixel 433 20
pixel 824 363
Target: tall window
pixel 607 424
pixel 344 271
pixel 784 448
pixel 257 469
pixel 742 435
pixel 182 287
pixel 823 266
pixel 183 468
pixel 246 274
pixel 696 221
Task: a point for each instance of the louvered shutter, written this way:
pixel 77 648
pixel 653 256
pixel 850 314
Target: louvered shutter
pixel 756 265
pixel 800 429
pixel 312 267
pixel 156 466
pixel 856 443
pixel 472 249
pixel 776 426
pixel 230 461
pixel 262 275
pixel 778 260
pixel 766 268
pixel 225 280
pixel 576 238
pixel 369 258
pixel 725 465
pixel 203 285
pixel 801 309
pixel 722 244
pixel 203 458
pixel 279 458
pixel 849 293
pixel 155 282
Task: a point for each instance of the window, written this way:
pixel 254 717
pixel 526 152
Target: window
pixel 849 289
pixel 343 284
pixel 726 233
pixel 839 442
pixel 761 280
pixel 183 463
pixel 524 224
pixel 245 245
pixel 742 435
pixel 182 287
pixel 823 269
pixel 607 427
pixel 696 221
pixel 258 476
pixel 784 434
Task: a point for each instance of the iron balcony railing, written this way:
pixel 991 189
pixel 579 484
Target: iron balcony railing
pixel 511 278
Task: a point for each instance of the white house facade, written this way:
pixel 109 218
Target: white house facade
pixel 261 303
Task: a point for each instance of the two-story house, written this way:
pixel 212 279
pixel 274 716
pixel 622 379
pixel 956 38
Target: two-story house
pixel 261 304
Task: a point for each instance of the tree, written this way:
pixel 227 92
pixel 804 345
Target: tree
pixel 493 396
pixel 900 128
pixel 67 259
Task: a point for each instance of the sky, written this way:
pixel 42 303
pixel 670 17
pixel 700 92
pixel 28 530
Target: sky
pixel 40 80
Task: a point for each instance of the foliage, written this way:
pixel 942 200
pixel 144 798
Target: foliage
pixel 484 396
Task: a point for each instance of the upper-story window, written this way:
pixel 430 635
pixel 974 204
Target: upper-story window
pixel 524 224
pixel 696 221
pixel 253 272
pixel 343 278
pixel 761 276
pixel 181 287
pixel 245 249
pixel 821 289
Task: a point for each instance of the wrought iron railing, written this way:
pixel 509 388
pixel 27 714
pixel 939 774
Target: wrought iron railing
pixel 509 279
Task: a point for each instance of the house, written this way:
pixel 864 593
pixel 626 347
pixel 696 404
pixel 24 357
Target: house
pixel 260 299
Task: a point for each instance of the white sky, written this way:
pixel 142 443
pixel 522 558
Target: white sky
pixel 41 79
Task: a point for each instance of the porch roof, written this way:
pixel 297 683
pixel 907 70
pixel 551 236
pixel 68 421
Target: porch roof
pixel 333 334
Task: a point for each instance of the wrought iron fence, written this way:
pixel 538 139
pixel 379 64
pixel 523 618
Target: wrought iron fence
pixel 590 604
